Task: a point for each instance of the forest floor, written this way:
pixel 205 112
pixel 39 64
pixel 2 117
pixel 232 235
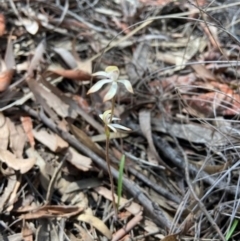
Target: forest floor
pixel 180 179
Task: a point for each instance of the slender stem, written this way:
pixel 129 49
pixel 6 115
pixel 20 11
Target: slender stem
pixel 107 132
pixel 112 109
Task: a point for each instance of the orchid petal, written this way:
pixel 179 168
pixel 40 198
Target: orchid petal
pixel 113 72
pixel 127 84
pixel 106 116
pixel 115 118
pixel 101 73
pixel 112 91
pixel 117 126
pixel 110 69
pixel 98 85
pixel 112 127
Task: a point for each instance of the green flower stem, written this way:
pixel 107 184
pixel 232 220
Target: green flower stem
pixel 107 132
pixel 112 109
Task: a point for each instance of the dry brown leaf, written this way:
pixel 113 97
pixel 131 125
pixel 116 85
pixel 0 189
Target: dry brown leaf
pixel 28 128
pixel 131 207
pixel 79 161
pixel 52 211
pixel 96 223
pixel 18 164
pixel 81 136
pixel 50 140
pixel 74 74
pixel 171 237
pixel 2 24
pixel 203 72
pixel 17 138
pixel 4 132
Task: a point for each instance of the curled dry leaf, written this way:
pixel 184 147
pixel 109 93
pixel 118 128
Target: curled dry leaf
pixel 96 223
pixel 18 164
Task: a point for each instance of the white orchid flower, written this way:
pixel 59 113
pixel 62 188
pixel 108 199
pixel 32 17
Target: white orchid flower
pixel 106 117
pixel 111 75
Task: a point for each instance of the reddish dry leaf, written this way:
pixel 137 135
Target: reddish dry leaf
pixel 2 24
pixel 224 101
pixel 18 164
pixel 52 211
pixel 28 128
pixel 74 74
pixel 207 103
pixel 174 81
pixel 5 79
pixel 130 225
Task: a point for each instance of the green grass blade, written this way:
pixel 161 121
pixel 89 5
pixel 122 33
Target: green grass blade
pixel 232 229
pixel 120 179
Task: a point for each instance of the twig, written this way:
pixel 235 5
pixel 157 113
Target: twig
pixel 53 179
